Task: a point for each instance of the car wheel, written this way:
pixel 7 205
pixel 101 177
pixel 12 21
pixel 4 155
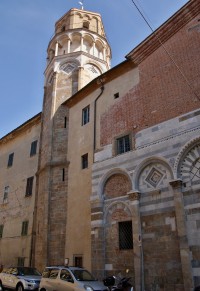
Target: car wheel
pixel 20 287
pixel 1 286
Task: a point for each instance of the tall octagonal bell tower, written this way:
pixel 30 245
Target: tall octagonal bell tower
pixel 77 53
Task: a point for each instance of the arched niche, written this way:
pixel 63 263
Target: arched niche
pixel 153 173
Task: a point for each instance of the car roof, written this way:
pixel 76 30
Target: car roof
pixel 64 267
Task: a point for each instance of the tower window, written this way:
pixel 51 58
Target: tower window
pixel 84 160
pixel 116 95
pixel 1 230
pixel 5 196
pixel 24 228
pixel 86 24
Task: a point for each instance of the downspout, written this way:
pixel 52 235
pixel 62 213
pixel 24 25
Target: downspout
pixel 100 80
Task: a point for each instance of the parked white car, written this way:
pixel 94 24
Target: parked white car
pixel 20 278
pixel 69 279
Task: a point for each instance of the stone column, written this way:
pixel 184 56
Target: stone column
pixel 134 198
pixel 182 233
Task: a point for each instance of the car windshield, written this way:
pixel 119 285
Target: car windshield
pixel 83 275
pixel 28 272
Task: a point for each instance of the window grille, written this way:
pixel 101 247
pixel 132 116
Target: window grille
pixel 85 115
pixel 29 186
pixel 123 144
pixel 33 150
pixel 24 228
pixel 10 160
pixel 125 235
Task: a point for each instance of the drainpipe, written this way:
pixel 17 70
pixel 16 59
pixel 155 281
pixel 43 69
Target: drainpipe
pixel 99 81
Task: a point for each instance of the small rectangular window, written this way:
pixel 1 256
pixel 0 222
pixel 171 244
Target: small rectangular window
pixel 33 150
pixel 125 235
pixel 123 144
pixel 10 160
pixel 5 195
pixel 20 261
pixel 24 228
pixel 29 186
pixel 78 261
pixel 116 95
pixel 85 115
pixel 84 160
pixel 1 230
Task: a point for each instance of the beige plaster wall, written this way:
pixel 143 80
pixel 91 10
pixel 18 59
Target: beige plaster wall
pixel 18 207
pixel 80 142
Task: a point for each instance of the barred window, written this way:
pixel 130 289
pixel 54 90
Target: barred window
pixel 10 160
pixel 123 144
pixel 125 235
pixel 24 228
pixel 1 230
pixel 33 150
pixel 29 186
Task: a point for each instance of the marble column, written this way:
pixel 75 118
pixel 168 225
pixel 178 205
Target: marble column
pixel 182 233
pixel 134 198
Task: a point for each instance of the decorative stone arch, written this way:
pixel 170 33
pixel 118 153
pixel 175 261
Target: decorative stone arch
pixel 187 164
pixel 120 207
pixel 154 172
pixel 183 153
pixel 87 16
pixel 49 78
pixel 107 176
pixel 94 63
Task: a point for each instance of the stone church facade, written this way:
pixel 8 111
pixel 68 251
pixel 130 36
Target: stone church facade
pixel 115 176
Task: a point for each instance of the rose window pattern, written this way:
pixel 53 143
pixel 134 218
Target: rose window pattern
pixel 190 167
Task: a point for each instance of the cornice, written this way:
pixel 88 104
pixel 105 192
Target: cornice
pixel 165 32
pixel 29 123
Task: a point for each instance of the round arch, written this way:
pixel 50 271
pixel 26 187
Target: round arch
pixel 108 175
pixel 188 147
pixel 147 162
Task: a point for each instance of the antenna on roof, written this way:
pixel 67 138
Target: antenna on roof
pixel 81 3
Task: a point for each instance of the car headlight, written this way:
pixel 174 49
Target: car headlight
pixel 88 288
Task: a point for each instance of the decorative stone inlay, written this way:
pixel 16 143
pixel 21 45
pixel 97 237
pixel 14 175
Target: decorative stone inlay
pixel 154 177
pixel 68 68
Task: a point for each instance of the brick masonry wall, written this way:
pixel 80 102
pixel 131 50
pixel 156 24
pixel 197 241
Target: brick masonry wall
pixel 162 93
pixel 117 185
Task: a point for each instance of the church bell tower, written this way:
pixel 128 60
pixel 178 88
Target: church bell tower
pixel 77 53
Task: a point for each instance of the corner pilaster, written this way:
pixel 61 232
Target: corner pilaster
pixel 134 198
pixel 182 233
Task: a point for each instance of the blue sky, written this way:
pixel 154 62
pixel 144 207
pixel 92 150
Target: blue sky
pixel 28 25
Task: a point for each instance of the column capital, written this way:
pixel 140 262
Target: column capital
pixel 176 183
pixel 134 195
